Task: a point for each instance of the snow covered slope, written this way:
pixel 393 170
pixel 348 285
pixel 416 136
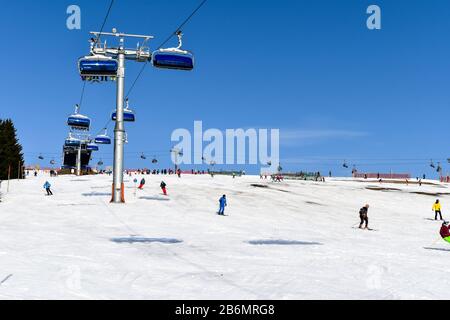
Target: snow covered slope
pixel 290 240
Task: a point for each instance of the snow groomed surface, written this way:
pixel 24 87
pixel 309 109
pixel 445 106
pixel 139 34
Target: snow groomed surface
pixel 289 240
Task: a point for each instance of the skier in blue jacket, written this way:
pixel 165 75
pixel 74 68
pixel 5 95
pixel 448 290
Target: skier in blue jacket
pixel 47 186
pixel 223 204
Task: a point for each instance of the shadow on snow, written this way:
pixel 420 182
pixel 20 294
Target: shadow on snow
pixel 96 194
pixel 145 240
pixel 284 242
pixel 153 198
pixel 436 249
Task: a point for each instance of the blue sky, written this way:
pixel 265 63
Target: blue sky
pixel 335 89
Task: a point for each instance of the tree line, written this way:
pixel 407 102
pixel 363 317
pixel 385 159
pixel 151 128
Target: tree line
pixel 11 156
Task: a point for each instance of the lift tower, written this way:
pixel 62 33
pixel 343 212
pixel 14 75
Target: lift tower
pixel 120 53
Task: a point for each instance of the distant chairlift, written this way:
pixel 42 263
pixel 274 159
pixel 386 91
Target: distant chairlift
pixel 154 160
pixel 432 164
pixel 345 165
pixel 103 138
pixel 78 121
pixel 173 58
pixel 92 147
pixel 72 142
pixel 128 114
pixel 100 163
pixel 40 157
pixel 143 157
pixel 52 162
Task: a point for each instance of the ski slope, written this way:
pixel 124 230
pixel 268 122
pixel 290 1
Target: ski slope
pixel 291 240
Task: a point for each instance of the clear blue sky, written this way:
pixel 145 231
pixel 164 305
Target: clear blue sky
pixel 335 89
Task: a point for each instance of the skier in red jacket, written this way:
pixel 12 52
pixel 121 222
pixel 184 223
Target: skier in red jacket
pixel 445 231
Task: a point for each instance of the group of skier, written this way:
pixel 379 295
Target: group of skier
pixel 163 186
pixel 436 208
pixel 445 228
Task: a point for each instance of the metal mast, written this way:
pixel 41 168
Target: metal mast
pixel 140 54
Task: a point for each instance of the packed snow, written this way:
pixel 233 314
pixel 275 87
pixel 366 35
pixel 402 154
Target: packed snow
pixel 288 240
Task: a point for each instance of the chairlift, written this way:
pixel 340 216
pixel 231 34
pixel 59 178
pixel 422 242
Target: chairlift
pixel 78 121
pixel 143 157
pixel 72 142
pixel 154 160
pixel 92 147
pixel 173 58
pixel 52 162
pixel 103 138
pixel 439 168
pixel 100 163
pixel 345 165
pixel 97 67
pixel 40 157
pixel 128 114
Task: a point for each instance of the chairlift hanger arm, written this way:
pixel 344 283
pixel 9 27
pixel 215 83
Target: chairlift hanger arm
pixel 121 35
pixel 130 54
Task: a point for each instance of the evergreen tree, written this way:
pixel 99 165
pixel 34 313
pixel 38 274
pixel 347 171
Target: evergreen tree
pixel 11 155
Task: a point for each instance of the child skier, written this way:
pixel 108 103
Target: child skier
pixel 47 186
pixel 437 209
pixel 163 187
pixel 223 204
pixel 363 216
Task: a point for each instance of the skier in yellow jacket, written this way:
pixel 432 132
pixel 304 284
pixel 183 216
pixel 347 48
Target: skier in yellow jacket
pixel 437 209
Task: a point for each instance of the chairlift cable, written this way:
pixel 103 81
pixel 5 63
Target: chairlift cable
pixel 104 22
pixel 96 41
pixel 82 94
pixel 182 25
pixel 163 43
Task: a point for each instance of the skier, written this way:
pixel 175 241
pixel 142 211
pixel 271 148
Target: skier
pixel 223 204
pixel 47 186
pixel 445 231
pixel 141 185
pixel 179 173
pixel 363 216
pixel 163 187
pixel 437 209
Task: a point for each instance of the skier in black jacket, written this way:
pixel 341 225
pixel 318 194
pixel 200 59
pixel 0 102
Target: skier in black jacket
pixel 363 216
